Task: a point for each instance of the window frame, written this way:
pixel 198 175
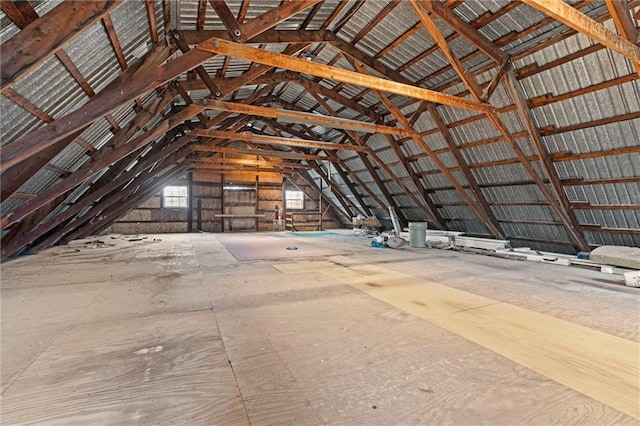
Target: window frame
pixel 301 200
pixel 184 197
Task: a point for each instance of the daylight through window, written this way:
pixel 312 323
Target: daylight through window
pixel 175 196
pixel 294 200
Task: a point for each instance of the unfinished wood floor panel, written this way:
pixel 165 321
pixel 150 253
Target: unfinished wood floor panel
pixel 153 370
pixel 599 365
pixel 244 342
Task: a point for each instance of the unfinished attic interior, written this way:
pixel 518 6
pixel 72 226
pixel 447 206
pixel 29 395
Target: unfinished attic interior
pixel 180 181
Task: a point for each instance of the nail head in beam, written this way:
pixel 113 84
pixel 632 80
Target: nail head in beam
pixel 237 50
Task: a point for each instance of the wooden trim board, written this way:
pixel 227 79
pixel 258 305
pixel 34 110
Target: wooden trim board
pixel 596 364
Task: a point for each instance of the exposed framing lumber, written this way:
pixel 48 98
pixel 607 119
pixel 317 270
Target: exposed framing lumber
pixel 193 38
pixel 119 205
pixel 465 29
pixel 484 215
pixel 20 12
pixel 338 212
pixel 560 207
pixel 383 188
pixel 337 192
pixel 43 138
pixel 274 140
pixel 94 167
pixel 265 153
pixel 624 24
pixel 488 217
pixel 273 17
pixel 383 14
pixel 582 23
pixel 517 93
pixel 229 48
pixel 363 206
pixel 107 23
pixel 231 24
pixel 171 151
pixel 54 31
pixel 292 117
pixel 202 14
pixel 151 18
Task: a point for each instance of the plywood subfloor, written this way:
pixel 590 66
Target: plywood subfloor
pixel 179 331
pixel 244 246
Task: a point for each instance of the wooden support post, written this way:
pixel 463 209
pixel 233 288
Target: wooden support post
pixel 199 217
pixel 190 202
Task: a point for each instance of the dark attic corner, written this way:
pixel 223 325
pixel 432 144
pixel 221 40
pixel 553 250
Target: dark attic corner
pixel 218 177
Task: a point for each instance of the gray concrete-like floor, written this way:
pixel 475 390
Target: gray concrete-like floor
pixel 173 329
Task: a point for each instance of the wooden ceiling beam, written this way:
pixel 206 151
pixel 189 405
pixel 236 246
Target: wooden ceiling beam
pixel 560 206
pixel 94 167
pixel 273 140
pixel 465 29
pixel 624 24
pixel 146 163
pixel 273 17
pixel 126 91
pixel 228 20
pixel 107 23
pixel 384 206
pixel 193 37
pixel 266 153
pixel 20 12
pixel 224 47
pixel 54 31
pixel 293 117
pixel 151 19
pixel 580 22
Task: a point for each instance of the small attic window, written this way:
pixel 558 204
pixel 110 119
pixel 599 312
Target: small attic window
pixel 294 200
pixel 175 197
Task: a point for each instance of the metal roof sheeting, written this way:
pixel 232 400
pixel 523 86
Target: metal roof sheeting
pixel 52 89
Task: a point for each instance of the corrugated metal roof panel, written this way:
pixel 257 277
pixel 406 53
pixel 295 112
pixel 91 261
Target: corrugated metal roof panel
pixel 52 89
pixel 131 24
pixel 395 23
pixel 15 121
pixel 365 14
pixel 93 55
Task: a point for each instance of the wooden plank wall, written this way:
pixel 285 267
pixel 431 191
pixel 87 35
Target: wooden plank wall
pixel 209 200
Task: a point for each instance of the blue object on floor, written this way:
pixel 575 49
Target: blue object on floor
pixel 376 244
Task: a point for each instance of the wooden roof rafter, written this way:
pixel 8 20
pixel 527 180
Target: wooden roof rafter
pixel 561 205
